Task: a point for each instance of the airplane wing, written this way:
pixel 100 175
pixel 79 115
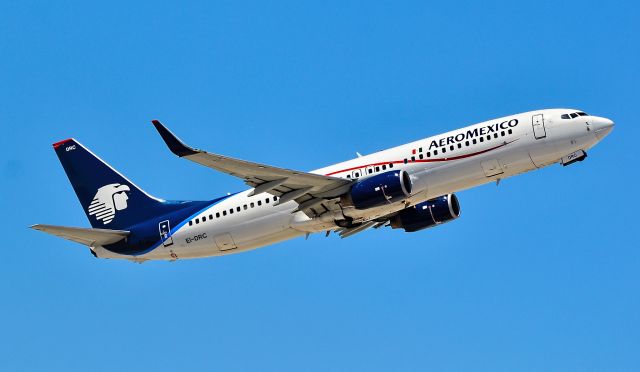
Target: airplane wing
pixel 313 192
pixel 87 236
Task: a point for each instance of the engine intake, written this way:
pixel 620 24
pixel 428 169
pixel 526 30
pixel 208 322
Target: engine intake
pixel 381 189
pixel 427 214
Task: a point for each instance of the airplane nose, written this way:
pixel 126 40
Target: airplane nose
pixel 602 127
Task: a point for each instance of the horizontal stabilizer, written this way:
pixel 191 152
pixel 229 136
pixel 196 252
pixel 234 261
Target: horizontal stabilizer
pixel 87 236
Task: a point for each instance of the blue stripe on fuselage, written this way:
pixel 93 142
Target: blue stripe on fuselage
pixel 145 237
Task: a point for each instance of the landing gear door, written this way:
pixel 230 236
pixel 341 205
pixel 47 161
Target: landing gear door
pixel 538 126
pixel 165 233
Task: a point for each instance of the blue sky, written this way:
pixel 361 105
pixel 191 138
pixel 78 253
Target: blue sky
pixel 540 273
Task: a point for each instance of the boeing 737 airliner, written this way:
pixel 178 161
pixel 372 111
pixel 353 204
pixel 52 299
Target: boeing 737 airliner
pixel 409 187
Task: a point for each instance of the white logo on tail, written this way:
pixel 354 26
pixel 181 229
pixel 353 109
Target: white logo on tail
pixel 109 199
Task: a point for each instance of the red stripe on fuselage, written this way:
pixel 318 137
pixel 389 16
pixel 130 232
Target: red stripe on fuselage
pixel 422 160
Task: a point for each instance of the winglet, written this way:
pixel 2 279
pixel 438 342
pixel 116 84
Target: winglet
pixel 175 145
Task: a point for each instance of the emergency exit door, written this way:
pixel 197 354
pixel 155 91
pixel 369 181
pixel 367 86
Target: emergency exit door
pixel 539 130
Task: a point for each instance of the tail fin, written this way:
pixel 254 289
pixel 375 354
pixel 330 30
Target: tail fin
pixel 108 198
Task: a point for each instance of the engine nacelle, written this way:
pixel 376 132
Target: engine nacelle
pixel 427 214
pixel 378 190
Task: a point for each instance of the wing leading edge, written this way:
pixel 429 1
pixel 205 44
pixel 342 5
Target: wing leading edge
pixel 313 192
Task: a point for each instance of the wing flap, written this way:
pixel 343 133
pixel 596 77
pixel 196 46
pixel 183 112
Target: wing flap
pixel 347 232
pixel 87 236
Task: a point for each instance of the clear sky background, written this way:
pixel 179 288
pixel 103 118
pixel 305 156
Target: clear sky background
pixel 540 273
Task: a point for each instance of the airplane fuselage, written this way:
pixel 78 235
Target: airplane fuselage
pixel 438 165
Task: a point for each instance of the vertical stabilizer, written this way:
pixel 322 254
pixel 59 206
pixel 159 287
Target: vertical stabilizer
pixel 109 199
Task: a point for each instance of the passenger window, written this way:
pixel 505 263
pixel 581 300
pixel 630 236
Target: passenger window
pixel 238 209
pixel 459 145
pixel 275 198
pixel 224 213
pixel 259 203
pixel 444 149
pixel 197 221
pixel 231 211
pixel 204 218
pixel 502 133
pixel 358 173
pixel 218 215
pixel 510 131
pixel 466 143
pixel 370 170
pixel 495 135
pixel 384 166
pixel 348 176
pixel 413 158
pixel 252 205
pixel 405 161
pixel 244 207
pixel 421 156
pixel 210 216
pixel 267 200
pixel 435 152
pixel 488 137
pixel 420 150
pixel 190 223
pixel 428 154
pixel 377 169
pixel 390 165
pixel 475 141
pixel 451 147
pixel 481 139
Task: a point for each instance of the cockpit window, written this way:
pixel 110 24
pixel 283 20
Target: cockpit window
pixel 573 115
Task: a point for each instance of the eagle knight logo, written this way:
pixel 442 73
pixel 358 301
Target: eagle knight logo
pixel 109 199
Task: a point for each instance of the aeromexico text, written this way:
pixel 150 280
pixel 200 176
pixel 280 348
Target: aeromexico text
pixel 472 133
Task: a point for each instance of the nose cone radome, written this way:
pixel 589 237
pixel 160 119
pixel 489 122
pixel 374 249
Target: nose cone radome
pixel 602 127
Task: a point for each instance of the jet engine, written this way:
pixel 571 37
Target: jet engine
pixel 378 190
pixel 427 214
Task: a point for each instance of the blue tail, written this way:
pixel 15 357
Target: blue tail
pixel 108 198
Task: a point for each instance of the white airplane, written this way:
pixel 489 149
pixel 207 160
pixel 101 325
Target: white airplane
pixel 409 187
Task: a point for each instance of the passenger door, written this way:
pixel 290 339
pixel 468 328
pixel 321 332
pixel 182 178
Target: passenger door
pixel 539 130
pixel 165 231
